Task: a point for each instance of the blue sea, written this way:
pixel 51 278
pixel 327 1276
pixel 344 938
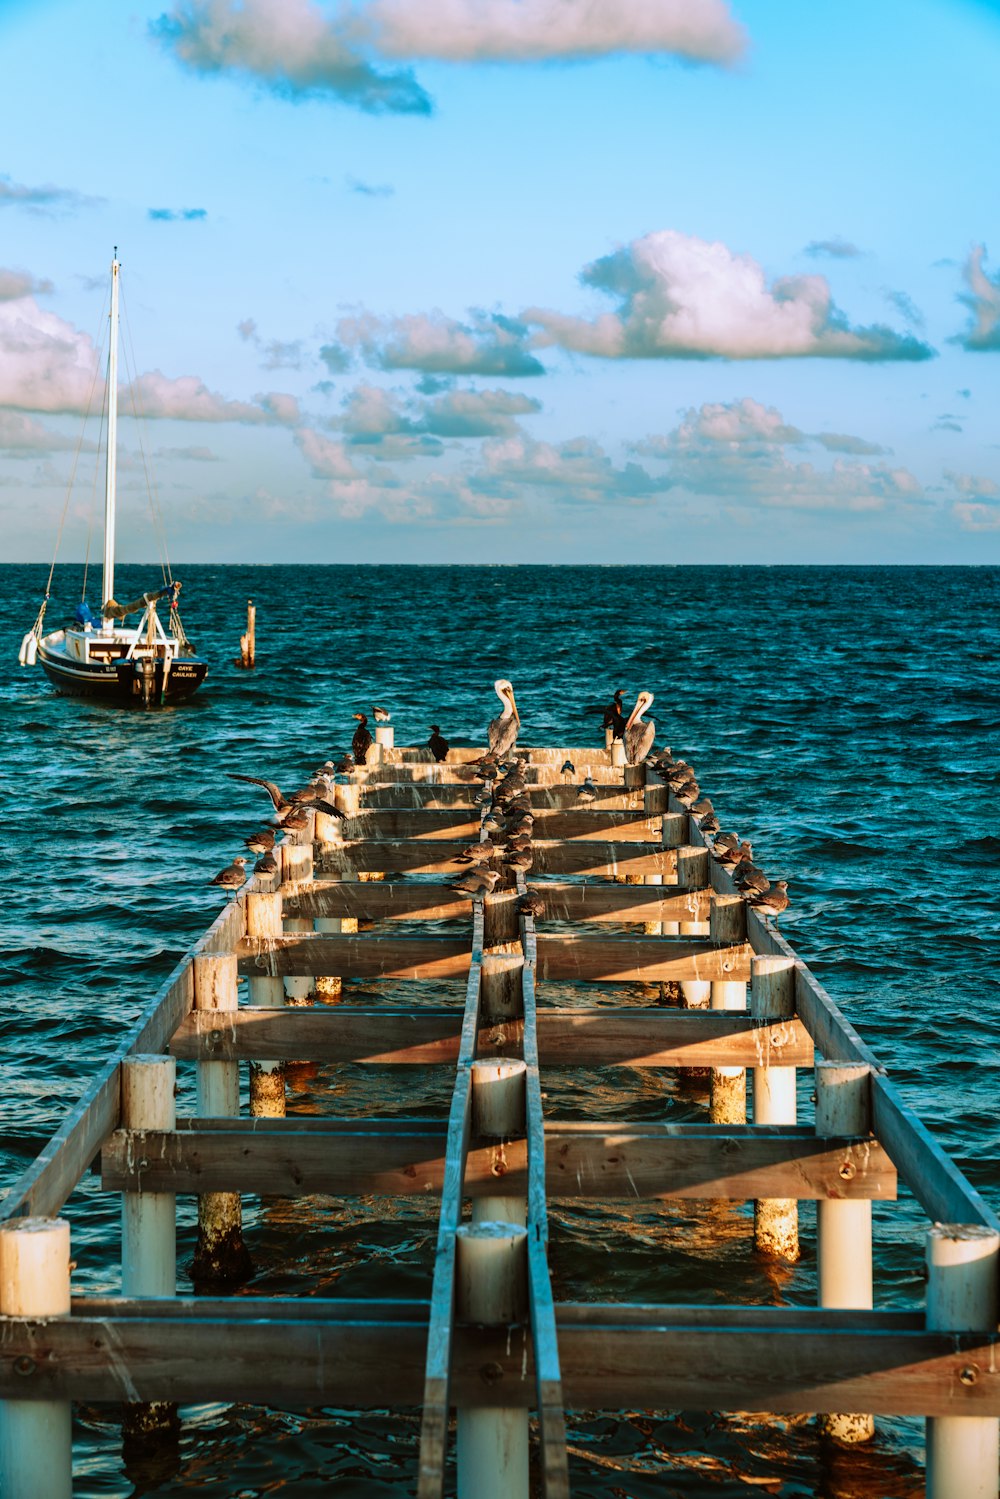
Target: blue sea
pixel 844 719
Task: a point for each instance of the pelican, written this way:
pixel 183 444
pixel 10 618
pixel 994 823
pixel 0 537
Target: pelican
pixel 503 729
pixel 639 736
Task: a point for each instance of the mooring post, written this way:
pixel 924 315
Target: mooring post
pixel 963 1452
pixel 498 1114
pixel 36 1436
pixel 248 642
pixel 673 834
pixel 220 1257
pixel 844 1229
pixel 693 874
pixel 503 959
pixel 728 927
pixel 330 836
pixel 492 1290
pixel 267 1079
pixel 149 1223
pixel 385 739
pixel 297 868
pixel 772 997
pixel 617 751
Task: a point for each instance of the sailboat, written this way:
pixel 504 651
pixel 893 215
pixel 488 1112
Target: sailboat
pixel 98 655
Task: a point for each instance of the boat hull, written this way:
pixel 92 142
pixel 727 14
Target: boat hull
pixel 135 684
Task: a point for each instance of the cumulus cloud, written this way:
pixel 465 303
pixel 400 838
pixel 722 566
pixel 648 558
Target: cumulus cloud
pixel 188 399
pixel 973 486
pixel 45 363
pixel 291 47
pixel 683 297
pixel 833 249
pixel 843 442
pixel 177 215
pixel 514 31
pixel 48 200
pixel 487 344
pixel 17 284
pixel 983 301
pixel 371 414
pixel 578 471
pixel 275 354
pixel 738 452
pixel 977 517
pixel 22 436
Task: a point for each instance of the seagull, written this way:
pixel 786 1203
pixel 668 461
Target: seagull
pixel 724 841
pixel 531 904
pixel 294 821
pixel 568 768
pixel 280 804
pixel 345 765
pixel 266 865
pixel 755 883
pixel 639 736
pixel 233 877
pixel 476 882
pixel 381 715
pixel 702 808
pixel 730 857
pixel 478 853
pixel 773 901
pixel 362 741
pixel 503 729
pixel 710 824
pixel 587 794
pixel 261 843
pixel 437 744
pixel 520 859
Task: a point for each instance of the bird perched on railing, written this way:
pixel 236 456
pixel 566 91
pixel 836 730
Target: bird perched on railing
pixel 260 843
pixel 437 744
pixel 710 824
pixel 731 857
pixel 773 902
pixel 345 765
pixel 752 881
pixel 503 729
pixel 267 864
pixel 362 740
pixel 567 769
pixel 381 715
pixel 478 853
pixel 520 859
pixel 587 794
pixel 315 795
pixel 702 808
pixel 531 904
pixel 639 736
pixel 476 882
pixel 612 716
pixel 233 877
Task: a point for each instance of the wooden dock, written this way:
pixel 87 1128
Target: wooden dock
pixel 631 895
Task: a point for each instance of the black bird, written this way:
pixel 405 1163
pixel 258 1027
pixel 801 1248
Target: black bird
pixel 614 718
pixel 437 744
pixel 362 741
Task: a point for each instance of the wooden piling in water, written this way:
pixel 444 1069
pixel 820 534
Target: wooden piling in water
pixel 220 1256
pixel 36 1436
pixel 264 929
pixel 772 997
pixel 963 1452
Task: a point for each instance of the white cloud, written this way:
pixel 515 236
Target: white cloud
pixel 188 399
pixel 487 344
pixel 516 31
pixel 577 471
pixel 372 414
pixel 17 284
pixel 46 199
pixel 738 452
pixel 683 297
pixel 983 301
pixel 977 517
pixel 20 435
pixel 292 47
pixel 974 486
pixel 45 363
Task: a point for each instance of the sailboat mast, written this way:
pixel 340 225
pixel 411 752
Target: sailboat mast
pixel 112 470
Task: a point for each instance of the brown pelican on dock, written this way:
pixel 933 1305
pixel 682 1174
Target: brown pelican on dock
pixel 362 741
pixel 233 877
pixel 503 729
pixel 438 744
pixel 639 736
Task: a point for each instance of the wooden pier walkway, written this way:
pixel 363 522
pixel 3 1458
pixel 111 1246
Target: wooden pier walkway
pixel 630 894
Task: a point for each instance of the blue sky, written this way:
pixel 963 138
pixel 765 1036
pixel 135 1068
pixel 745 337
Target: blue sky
pixel 508 280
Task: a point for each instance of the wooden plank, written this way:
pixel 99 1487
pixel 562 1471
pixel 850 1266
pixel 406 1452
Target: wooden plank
pixel 798 1365
pixel 440 1329
pixel 414 795
pixel 620 1162
pixel 408 900
pixel 592 959
pixel 464 823
pixel 440 857
pixel 577 1037
pixel 545 1343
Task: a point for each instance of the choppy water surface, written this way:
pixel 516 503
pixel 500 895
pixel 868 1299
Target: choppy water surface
pixel 844 719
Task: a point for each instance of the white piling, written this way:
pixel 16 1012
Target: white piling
pixel 727 926
pixel 492 1289
pixel 844 1228
pixel 149 1221
pixel 618 752
pixel 36 1437
pixel 498 1113
pixel 693 873
pixel 963 1452
pixel 385 739
pixel 772 997
pixel 267 1079
pixel 220 1256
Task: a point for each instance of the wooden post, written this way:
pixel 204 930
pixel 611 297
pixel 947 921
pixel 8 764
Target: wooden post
pixel 385 739
pixel 503 959
pixel 498 1113
pixel 248 642
pixel 728 926
pixel 149 1224
pixel 844 1229
pixel 962 1451
pixel 36 1437
pixel 220 1257
pixel 617 748
pixel 693 872
pixel 673 834
pixel 297 868
pixel 267 1079
pixel 492 1289
pixel 772 997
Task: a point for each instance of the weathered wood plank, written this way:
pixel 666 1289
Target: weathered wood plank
pixel 594 1161
pixel 414 795
pixel 578 1037
pixel 799 1364
pixel 599 859
pixel 406 900
pixel 550 824
pixel 593 959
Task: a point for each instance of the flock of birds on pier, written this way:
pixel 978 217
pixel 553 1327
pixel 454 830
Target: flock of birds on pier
pixel 507 819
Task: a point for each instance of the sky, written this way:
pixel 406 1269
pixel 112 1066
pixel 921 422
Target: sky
pixel 663 281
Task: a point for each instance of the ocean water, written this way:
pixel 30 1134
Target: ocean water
pixel 845 719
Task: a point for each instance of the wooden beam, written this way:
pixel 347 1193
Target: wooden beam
pixel 783 1360
pixel 567 1037
pixel 408 900
pixel 606 959
pixel 399 826
pixel 414 795
pixel 602 1161
pixel 440 857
